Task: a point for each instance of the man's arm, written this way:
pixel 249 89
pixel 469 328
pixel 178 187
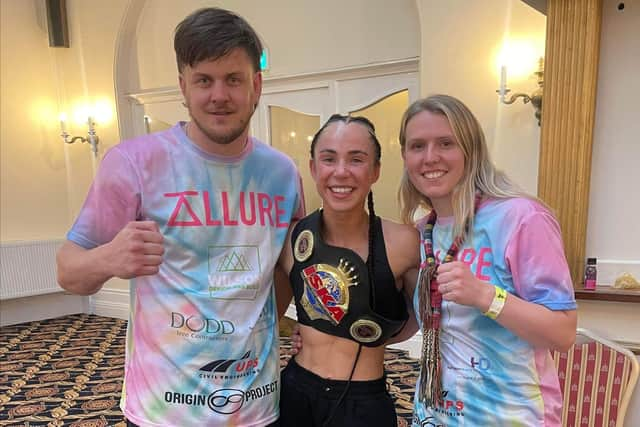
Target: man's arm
pixel 135 251
pixel 80 270
pixel 284 293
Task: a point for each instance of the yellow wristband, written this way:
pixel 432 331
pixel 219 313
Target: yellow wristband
pixel 497 304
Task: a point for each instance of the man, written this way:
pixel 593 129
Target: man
pixel 196 217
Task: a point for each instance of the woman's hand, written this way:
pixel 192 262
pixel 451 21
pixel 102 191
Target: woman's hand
pixel 532 322
pixel 458 284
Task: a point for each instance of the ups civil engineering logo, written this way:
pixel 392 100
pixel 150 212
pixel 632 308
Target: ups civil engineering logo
pixel 234 272
pixel 230 368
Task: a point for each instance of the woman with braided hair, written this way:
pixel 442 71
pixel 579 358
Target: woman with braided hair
pixel 346 268
pixel 494 292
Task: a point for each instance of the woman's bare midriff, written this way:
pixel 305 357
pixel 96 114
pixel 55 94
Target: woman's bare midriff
pixel 332 357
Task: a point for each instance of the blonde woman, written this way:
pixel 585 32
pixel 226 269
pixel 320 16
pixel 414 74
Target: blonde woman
pixel 494 293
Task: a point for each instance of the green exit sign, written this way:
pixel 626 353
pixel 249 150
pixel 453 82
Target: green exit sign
pixel 264 60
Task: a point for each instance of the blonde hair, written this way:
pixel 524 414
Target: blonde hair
pixel 480 175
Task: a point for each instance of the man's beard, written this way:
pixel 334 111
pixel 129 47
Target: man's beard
pixel 223 138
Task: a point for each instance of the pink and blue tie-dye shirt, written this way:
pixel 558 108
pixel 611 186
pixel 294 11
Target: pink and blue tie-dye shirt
pixel 491 377
pixel 202 344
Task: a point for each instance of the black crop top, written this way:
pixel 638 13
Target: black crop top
pixel 332 290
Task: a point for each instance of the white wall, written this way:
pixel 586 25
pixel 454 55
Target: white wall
pixel 613 232
pixel 44 181
pixel 302 36
pixel 459 44
pixel 33 171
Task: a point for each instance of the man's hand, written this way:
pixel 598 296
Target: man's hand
pixel 296 340
pixel 136 250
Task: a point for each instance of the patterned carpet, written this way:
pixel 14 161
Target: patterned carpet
pixel 68 372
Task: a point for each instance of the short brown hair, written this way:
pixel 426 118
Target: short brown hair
pixel 211 33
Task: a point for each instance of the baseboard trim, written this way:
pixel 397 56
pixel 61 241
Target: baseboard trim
pixel 111 303
pixel 41 307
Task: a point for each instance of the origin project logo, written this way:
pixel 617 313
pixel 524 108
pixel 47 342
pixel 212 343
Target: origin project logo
pixel 224 401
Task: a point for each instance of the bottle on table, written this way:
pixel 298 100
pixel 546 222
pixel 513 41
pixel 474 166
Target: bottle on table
pixel 590 274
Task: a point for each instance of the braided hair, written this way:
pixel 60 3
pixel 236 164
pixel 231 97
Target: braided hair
pixel 372 236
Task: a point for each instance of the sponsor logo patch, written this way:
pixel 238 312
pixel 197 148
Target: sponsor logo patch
pixel 224 401
pixel 225 369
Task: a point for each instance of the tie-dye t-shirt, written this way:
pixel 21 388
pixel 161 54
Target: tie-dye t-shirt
pixel 491 377
pixel 202 343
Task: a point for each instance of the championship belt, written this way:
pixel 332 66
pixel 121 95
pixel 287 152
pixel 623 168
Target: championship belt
pixel 326 291
pixel 365 330
pixel 325 294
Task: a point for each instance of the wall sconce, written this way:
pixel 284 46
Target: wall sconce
pixel 91 138
pixel 147 124
pixel 536 96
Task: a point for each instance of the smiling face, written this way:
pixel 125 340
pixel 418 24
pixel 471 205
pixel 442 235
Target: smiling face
pixel 433 158
pixel 221 96
pixel 344 166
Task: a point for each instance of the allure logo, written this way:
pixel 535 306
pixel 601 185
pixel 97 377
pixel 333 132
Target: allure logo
pixel 216 209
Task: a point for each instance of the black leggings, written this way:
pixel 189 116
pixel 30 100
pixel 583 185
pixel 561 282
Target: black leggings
pixel 309 400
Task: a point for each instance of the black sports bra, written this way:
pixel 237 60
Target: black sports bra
pixel 332 290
